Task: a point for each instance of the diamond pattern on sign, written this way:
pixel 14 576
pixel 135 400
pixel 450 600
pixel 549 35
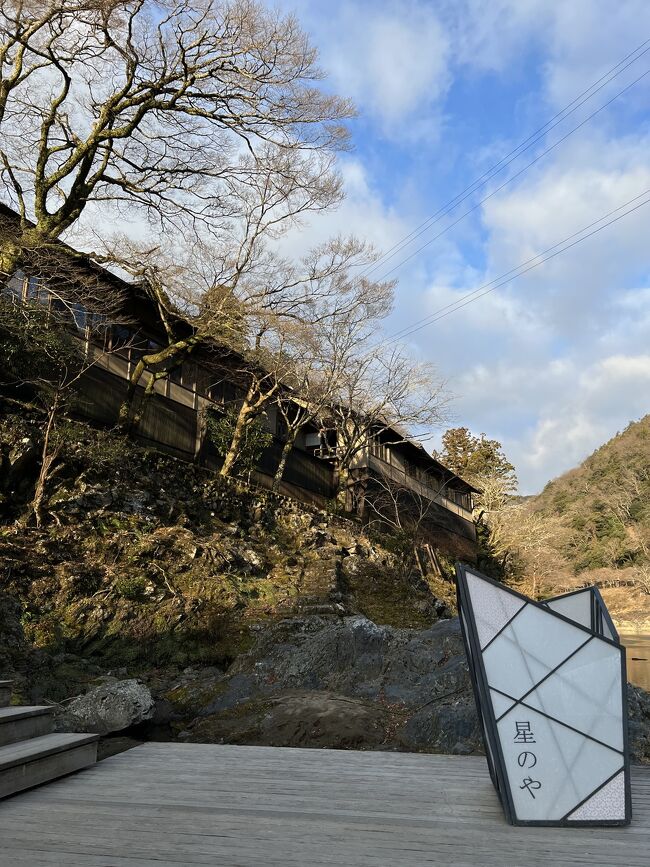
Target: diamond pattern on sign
pixel 528 649
pixel 500 703
pixel 567 766
pixel 586 693
pixel 492 607
pixel 608 803
pixel 576 607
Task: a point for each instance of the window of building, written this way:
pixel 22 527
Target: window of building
pixel 97 321
pixel 379 450
pixel 121 336
pixel 62 311
pixel 32 289
pixel 15 285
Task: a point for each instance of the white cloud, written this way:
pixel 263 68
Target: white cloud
pixel 576 41
pixel 575 290
pixel 362 213
pixel 590 407
pixel 550 416
pixel 586 40
pixel 556 362
pixel 392 59
pixel 489 36
pixel 399 62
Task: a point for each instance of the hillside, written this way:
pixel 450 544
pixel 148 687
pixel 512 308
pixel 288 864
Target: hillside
pixel 244 616
pixel 154 569
pixel 600 512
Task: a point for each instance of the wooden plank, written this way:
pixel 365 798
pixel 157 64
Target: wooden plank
pixel 40 747
pixel 23 711
pixel 23 723
pixel 42 770
pixel 160 805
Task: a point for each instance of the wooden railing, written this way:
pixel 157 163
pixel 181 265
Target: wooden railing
pixel 433 492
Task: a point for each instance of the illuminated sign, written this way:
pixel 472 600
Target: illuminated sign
pixel 550 687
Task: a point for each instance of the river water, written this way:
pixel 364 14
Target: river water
pixel 638 659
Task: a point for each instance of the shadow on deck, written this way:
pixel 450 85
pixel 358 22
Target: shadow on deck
pixel 160 805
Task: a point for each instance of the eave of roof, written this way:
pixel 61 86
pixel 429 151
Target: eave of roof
pixel 418 450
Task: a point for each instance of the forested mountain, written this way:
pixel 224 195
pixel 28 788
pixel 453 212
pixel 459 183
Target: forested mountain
pixel 600 515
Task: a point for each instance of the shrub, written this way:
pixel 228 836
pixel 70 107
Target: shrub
pixel 130 588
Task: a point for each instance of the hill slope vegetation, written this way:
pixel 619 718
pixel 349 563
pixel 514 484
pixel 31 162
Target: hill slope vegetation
pixel 601 515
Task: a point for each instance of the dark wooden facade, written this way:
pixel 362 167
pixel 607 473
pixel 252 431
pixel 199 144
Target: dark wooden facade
pixel 172 417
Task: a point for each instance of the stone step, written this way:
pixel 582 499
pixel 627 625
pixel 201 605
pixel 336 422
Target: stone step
pixel 39 760
pixel 23 723
pixel 5 692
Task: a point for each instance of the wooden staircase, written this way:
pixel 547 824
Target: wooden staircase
pixel 30 752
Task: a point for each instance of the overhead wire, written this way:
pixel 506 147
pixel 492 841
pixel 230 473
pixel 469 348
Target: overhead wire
pixel 513 177
pixel 514 154
pixel 521 269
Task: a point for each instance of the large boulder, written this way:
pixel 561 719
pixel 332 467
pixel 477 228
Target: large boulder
pixel 310 682
pixel 111 707
pixel 353 657
pixel 298 718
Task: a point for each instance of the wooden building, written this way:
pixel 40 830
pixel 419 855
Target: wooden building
pixel 173 416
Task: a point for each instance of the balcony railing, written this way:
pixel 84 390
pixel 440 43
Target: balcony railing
pixel 433 491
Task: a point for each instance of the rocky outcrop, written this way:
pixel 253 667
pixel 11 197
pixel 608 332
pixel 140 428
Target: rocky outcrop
pixel 16 465
pixel 13 647
pixel 111 707
pixel 353 683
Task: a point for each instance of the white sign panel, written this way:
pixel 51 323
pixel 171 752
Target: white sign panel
pixel 550 686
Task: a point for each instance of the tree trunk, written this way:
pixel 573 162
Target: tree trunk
pixel 11 255
pixel 124 419
pixel 16 247
pixel 181 348
pixel 286 449
pixel 47 459
pixel 136 416
pixel 343 488
pixel 232 454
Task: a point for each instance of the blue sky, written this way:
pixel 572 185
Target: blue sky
pixel 555 362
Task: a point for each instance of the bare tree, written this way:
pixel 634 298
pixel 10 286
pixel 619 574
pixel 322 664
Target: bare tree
pixel 288 329
pixel 382 392
pixel 306 327
pixel 392 501
pixel 340 309
pixel 157 106
pixel 232 286
pixel 45 350
pixel 524 541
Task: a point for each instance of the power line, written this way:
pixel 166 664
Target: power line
pixel 510 157
pixel 514 177
pixel 521 269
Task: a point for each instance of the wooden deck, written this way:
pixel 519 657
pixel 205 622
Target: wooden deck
pixel 183 804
